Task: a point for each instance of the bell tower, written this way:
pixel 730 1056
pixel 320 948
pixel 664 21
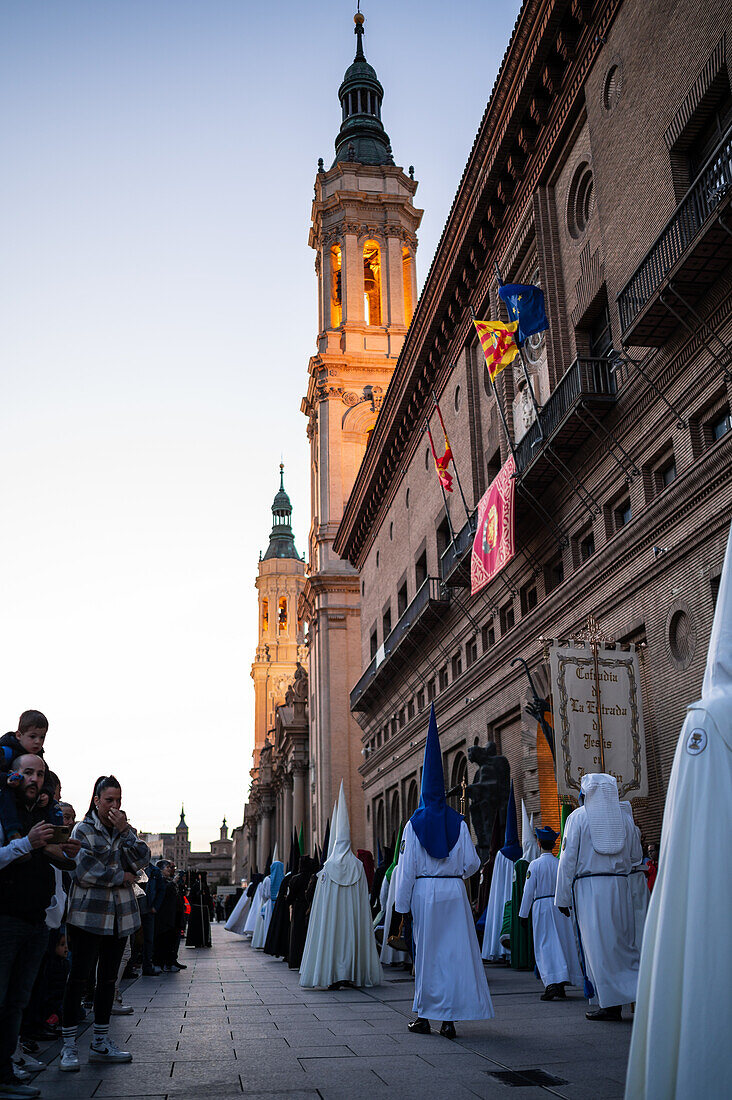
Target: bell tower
pixel 363 232
pixel 280 579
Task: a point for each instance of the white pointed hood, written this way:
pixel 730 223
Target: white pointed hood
pixel 717 684
pixel 607 820
pixel 342 866
pixel 529 845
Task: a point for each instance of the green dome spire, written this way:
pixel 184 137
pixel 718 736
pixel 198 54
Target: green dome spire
pixel 362 137
pixel 281 539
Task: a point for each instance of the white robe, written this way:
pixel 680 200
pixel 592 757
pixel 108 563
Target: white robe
pixel 254 910
pixel 681 1030
pixel 389 956
pixel 604 908
pixel 555 948
pixel 450 981
pixel 239 914
pixel 340 944
pixel 500 893
pixel 263 917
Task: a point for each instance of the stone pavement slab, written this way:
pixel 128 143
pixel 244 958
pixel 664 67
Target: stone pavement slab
pixel 236 1023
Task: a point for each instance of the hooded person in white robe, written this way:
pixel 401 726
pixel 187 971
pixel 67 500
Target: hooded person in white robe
pixel 340 946
pixel 638 885
pixel 238 917
pixel 389 956
pixel 555 948
pixel 436 855
pixel 680 1042
pixel 254 909
pixel 501 886
pixel 269 897
pixel 599 847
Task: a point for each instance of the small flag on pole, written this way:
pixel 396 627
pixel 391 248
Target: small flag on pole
pixel 525 304
pixel 494 543
pixel 442 461
pixel 498 343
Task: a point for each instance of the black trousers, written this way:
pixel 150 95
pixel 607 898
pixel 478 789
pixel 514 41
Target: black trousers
pixel 90 952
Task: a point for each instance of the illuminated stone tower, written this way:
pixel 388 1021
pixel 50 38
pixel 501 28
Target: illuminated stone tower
pixel 280 580
pixel 363 231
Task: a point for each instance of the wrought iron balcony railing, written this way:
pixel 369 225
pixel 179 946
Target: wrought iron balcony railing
pixel 458 552
pixel 588 380
pixel 431 594
pixel 700 206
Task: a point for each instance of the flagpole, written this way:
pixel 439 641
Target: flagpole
pixel 500 409
pixel 442 487
pixel 537 408
pixel 454 463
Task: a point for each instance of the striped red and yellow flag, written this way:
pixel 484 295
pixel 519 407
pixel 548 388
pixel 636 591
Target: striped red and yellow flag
pixel 498 343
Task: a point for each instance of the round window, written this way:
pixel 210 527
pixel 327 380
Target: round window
pixel 681 636
pixel 427 459
pixel 457 399
pixel 580 201
pixel 406 499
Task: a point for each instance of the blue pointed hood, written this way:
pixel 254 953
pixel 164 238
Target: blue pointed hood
pixel 275 877
pixel 511 849
pixel 436 824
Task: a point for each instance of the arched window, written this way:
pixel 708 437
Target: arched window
pixel 412 798
pixel 459 773
pixel 407 281
pixel 336 295
pixel 394 816
pixel 372 283
pixel 265 616
pixel 380 829
pixel 282 615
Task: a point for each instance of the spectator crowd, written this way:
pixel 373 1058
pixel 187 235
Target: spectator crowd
pixel 81 906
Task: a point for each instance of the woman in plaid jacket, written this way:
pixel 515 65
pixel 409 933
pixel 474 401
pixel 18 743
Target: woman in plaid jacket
pixel 102 914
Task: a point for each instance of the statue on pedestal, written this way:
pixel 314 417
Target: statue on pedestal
pixel 488 794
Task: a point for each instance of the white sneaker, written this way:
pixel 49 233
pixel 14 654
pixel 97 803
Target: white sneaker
pixel 69 1060
pixel 121 1009
pixel 25 1062
pixel 108 1051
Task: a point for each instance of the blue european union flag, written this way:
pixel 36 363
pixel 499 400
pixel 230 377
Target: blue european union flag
pixel 525 304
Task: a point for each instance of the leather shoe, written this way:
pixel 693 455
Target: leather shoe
pixel 614 1012
pixel 549 993
pixel 420 1026
pixel 448 1029
pixel 179 966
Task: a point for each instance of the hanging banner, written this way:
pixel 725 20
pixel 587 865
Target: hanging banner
pixel 494 545
pixel 598 717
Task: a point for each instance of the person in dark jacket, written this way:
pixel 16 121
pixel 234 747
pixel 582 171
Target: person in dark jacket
pixel 154 891
pixel 27 884
pixel 168 921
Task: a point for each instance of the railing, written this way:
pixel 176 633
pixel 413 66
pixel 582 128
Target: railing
pixel 585 378
pixel 710 187
pixel 431 592
pixel 457 549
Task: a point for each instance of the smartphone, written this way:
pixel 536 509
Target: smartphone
pixel 61 834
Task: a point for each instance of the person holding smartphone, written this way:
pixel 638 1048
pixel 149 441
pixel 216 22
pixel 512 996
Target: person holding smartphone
pixel 102 913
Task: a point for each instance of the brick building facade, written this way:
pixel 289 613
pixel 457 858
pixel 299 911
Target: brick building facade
pixel 602 169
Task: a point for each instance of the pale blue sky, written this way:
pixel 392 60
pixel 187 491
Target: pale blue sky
pixel 157 311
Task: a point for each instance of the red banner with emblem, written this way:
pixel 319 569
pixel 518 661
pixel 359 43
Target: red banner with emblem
pixel 494 543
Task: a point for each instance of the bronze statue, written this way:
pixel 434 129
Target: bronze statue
pixel 488 794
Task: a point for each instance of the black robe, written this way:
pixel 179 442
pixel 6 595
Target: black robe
pixel 199 921
pixel 277 942
pixel 300 899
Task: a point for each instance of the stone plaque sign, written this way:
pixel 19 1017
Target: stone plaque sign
pixel 598 717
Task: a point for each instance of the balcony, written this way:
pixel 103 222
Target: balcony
pixel 587 389
pixel 690 254
pixel 431 597
pixel 455 562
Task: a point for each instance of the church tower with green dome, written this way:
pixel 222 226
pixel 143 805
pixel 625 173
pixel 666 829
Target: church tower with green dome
pixel 364 235
pixel 280 642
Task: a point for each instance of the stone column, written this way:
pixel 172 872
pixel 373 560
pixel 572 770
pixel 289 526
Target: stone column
pixel 298 798
pixel 265 831
pixel 286 816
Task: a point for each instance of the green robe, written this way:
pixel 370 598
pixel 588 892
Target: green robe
pixel 522 937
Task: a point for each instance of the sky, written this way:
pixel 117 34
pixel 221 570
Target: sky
pixel 157 313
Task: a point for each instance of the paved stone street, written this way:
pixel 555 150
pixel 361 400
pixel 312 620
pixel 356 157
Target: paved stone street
pixel 237 1022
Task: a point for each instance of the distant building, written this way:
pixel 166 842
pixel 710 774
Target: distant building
pixel 177 847
pixel 217 862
